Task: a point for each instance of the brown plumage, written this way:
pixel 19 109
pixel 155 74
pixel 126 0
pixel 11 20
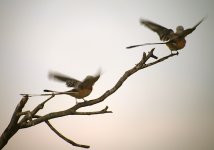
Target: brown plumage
pixel 174 40
pixel 80 89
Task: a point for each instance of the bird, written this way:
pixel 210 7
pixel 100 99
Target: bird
pixel 80 90
pixel 174 40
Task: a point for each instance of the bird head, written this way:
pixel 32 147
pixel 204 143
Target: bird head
pixel 179 29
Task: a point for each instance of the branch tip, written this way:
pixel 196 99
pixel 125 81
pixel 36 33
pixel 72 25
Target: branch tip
pixel 106 108
pixel 27 120
pixel 144 56
pixel 65 138
pixel 152 50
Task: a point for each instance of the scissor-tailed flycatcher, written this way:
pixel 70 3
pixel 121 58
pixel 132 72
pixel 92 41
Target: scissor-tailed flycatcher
pixel 174 40
pixel 80 89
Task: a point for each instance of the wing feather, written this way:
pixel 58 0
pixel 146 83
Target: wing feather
pixel 190 30
pixel 163 32
pixel 70 82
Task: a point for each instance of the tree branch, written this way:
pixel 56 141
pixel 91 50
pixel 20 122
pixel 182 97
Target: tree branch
pixel 103 111
pixel 139 66
pixel 13 127
pixel 71 111
pixel 62 136
pixel 36 109
pixel 27 120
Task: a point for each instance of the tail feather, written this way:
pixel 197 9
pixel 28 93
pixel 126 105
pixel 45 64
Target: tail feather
pixel 52 93
pixel 59 93
pixel 33 95
pixel 133 46
pixel 45 90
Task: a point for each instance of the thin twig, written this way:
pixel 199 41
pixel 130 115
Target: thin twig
pixel 103 111
pixel 13 127
pixel 36 109
pixel 141 65
pixel 26 122
pixel 62 136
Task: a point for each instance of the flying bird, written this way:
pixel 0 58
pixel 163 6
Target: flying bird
pixel 174 40
pixel 80 89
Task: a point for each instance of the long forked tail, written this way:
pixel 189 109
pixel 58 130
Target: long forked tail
pixel 59 93
pixel 45 90
pixel 133 46
pixel 50 92
pixel 32 95
pixel 54 92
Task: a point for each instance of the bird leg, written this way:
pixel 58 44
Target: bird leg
pixel 84 100
pixel 174 53
pixel 76 101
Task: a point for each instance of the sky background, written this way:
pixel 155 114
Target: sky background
pixel 168 106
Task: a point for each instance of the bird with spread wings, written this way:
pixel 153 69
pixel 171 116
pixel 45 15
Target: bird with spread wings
pixel 80 89
pixel 174 40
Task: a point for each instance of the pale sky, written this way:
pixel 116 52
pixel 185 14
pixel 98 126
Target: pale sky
pixel 168 106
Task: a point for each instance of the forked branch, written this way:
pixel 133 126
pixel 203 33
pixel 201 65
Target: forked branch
pixel 31 118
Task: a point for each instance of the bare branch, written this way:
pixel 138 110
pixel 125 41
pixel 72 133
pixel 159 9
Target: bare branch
pixel 139 66
pixel 71 111
pixel 103 111
pixel 27 121
pixel 23 113
pixel 13 127
pixel 159 60
pixel 64 138
pixel 36 109
pixel 75 113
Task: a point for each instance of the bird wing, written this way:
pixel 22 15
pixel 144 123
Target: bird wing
pixel 190 30
pixel 89 81
pixel 70 82
pixel 163 32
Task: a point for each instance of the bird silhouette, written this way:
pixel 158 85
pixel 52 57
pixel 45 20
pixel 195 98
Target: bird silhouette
pixel 174 40
pixel 80 89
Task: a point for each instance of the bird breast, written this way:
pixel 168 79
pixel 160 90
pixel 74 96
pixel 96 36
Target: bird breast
pixel 81 93
pixel 176 44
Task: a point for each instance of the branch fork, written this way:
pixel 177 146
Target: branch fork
pixel 30 118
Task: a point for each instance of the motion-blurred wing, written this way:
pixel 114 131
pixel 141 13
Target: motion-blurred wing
pixel 70 82
pixel 163 32
pixel 188 31
pixel 89 81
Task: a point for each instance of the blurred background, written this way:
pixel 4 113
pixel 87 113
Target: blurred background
pixel 168 106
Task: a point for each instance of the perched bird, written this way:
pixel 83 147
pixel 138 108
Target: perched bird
pixel 175 40
pixel 80 89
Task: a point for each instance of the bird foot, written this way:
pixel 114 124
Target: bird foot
pixel 84 100
pixel 175 53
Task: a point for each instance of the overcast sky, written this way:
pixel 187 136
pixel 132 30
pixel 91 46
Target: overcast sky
pixel 168 106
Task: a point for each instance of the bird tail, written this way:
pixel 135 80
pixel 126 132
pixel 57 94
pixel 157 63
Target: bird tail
pixel 59 93
pixel 45 90
pixel 51 93
pixel 133 46
pixel 32 95
pixel 48 94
